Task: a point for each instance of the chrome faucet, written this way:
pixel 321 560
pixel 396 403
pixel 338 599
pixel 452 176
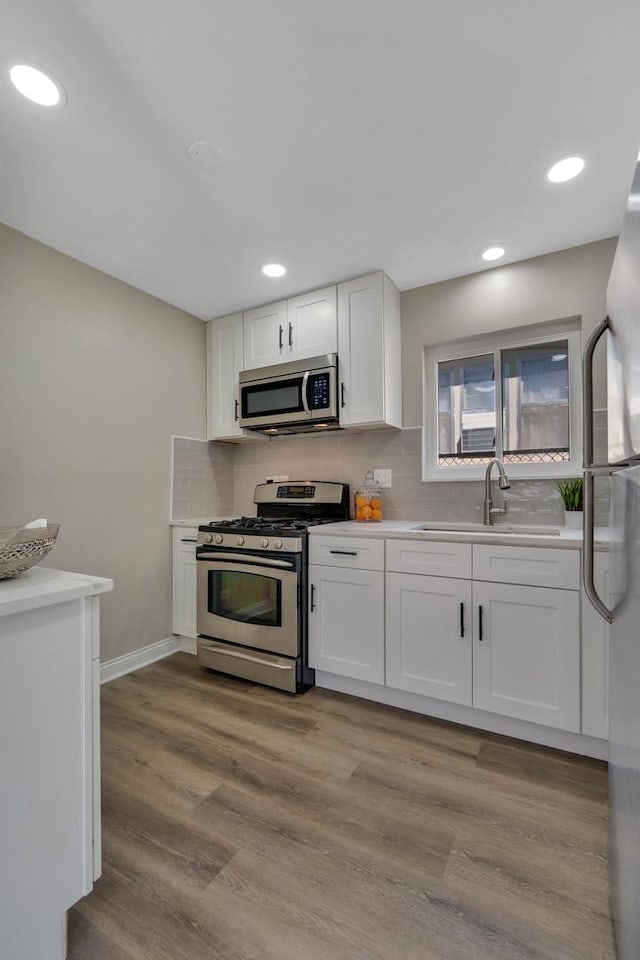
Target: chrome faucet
pixel 503 483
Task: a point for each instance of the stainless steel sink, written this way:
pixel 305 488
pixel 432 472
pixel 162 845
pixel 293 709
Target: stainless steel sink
pixel 498 529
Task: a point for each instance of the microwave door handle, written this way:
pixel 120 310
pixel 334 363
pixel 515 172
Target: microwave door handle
pixel 305 387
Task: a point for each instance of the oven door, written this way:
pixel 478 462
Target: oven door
pixel 249 600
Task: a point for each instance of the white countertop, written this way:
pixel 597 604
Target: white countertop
pixel 405 530
pixel 42 587
pixel 196 521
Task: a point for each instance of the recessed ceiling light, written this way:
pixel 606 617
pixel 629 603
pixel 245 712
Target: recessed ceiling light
pixel 274 270
pixel 36 85
pixel 493 253
pixel 565 169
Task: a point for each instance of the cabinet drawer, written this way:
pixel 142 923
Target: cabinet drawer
pixel 531 566
pixel 360 553
pixel 433 557
pixel 184 539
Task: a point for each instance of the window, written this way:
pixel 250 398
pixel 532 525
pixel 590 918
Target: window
pixel 515 395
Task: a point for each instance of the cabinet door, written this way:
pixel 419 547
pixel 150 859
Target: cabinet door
pixel 526 657
pixel 312 325
pixel 184 582
pixel 361 350
pixel 595 656
pixel 346 622
pixel 429 646
pixel 266 335
pixel 224 363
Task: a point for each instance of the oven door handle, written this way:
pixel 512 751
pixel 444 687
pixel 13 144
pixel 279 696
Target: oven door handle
pixel 248 558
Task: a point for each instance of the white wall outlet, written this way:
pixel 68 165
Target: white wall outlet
pixel 382 478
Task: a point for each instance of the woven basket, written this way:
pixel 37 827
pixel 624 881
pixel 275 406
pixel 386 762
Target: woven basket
pixel 21 548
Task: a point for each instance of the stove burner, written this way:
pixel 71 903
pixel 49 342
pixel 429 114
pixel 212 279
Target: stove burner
pixel 270 524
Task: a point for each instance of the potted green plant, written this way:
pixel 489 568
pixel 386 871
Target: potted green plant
pixel 572 493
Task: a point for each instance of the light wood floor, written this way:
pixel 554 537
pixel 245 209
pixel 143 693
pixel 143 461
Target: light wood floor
pixel 244 824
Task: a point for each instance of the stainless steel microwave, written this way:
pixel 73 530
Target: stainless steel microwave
pixel 296 397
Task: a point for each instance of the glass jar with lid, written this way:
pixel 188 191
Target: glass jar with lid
pixel 368 501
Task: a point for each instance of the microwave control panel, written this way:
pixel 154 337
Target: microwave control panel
pixel 318 391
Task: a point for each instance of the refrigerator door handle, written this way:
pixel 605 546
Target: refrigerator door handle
pixel 587 551
pixel 587 393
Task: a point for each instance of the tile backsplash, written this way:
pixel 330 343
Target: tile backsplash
pixel 220 478
pixel 203 475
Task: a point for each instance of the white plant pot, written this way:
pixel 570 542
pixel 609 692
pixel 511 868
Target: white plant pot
pixel 573 519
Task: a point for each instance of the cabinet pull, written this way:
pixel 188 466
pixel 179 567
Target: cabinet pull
pixel 312 605
pixel 290 335
pixel 236 413
pixel 345 553
pixel 342 394
pixel 480 635
pixel 280 332
pixel 188 539
pixel 462 619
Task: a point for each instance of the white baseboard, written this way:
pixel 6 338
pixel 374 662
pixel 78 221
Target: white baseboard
pixel 128 662
pixel 188 645
pixel 506 726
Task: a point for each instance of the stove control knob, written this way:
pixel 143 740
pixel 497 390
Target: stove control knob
pixel 219 538
pixel 208 538
pixel 239 541
pixel 278 544
pixel 264 542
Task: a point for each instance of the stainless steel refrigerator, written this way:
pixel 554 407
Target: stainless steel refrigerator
pixel 622 326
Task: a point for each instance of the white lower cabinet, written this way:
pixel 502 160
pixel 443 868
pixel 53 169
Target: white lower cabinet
pixel 429 645
pixel 526 657
pixel 346 606
pixel 184 581
pixel 346 621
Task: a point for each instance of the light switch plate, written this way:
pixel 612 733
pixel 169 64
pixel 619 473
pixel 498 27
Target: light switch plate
pixel 382 478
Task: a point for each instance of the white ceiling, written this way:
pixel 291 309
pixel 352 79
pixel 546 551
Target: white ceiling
pixel 357 134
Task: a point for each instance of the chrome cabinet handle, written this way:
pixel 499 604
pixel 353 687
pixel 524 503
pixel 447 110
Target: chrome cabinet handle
pixel 290 335
pixel 345 553
pixel 587 550
pixel 342 395
pixel 236 411
pixel 462 619
pixel 281 331
pixel 312 604
pixel 480 626
pixel 188 539
pixel 587 392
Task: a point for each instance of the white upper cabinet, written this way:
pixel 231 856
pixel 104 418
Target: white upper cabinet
pixel 296 329
pixel 312 325
pixel 369 352
pixel 224 363
pixel 266 335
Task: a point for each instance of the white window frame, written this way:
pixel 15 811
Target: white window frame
pixel 494 343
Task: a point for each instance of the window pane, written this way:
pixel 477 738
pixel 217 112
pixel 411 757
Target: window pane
pixel 466 411
pixel 535 403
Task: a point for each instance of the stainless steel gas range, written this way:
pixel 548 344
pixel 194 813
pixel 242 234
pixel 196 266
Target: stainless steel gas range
pixel 252 584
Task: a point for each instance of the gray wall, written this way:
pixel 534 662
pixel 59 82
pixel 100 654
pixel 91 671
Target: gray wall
pixel 95 377
pixel 565 284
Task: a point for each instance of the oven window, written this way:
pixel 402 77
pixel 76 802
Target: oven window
pixel 248 597
pixel 273 398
